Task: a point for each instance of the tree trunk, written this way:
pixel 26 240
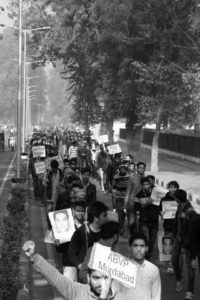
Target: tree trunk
pixel 197 123
pixel 110 131
pixel 134 141
pixel 155 145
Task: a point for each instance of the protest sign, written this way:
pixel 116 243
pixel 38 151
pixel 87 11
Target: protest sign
pixel 196 203
pixel 158 192
pixel 119 267
pixel 113 149
pixel 40 167
pixel 102 139
pixel 169 209
pixel 39 151
pixel 165 245
pixel 62 224
pixel 59 160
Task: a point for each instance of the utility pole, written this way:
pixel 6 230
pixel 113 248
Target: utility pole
pixel 19 99
pixel 24 96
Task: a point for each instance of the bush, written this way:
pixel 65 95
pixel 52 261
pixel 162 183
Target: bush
pixel 13 230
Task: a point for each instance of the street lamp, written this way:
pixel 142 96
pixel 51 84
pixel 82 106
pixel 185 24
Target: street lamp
pixel 19 98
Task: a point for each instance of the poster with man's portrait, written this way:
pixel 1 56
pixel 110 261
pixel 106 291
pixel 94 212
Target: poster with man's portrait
pixel 62 224
pixel 165 245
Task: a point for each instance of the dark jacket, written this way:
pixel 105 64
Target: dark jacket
pixel 168 224
pixel 82 239
pixel 91 193
pixel 194 236
pixel 111 171
pixel 184 216
pixel 148 213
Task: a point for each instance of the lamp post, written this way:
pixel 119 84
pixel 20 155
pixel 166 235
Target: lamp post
pixel 19 98
pixel 21 141
pixel 28 106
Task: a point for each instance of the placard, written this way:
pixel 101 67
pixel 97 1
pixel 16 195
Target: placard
pixel 169 209
pixel 62 224
pixel 196 203
pixel 59 160
pixel 113 149
pixel 165 245
pixel 158 192
pixel 117 266
pixel 40 167
pixel 102 139
pixel 39 151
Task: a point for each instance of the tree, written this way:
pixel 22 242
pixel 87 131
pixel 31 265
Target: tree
pixel 8 76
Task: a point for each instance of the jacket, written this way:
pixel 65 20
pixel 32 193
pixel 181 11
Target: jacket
pixel 194 237
pixel 82 239
pixel 91 193
pixel 148 213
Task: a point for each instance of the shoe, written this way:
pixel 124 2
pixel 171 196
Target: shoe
pixel 188 296
pixel 179 286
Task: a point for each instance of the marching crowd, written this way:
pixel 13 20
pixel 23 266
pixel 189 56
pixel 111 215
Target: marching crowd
pixel 66 184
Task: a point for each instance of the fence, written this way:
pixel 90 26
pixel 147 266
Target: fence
pixel 183 144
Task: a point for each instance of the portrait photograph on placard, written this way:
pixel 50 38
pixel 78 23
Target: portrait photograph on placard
pixel 62 224
pixel 165 245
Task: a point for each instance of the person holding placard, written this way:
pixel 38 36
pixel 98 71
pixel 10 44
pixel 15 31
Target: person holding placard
pixel 148 286
pixel 69 270
pixel 98 287
pixel 168 224
pixel 148 213
pixel 88 234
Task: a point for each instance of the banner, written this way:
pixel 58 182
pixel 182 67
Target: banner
pixel 119 267
pixel 113 149
pixel 59 160
pixel 165 245
pixel 62 224
pixel 196 203
pixel 169 209
pixel 39 151
pixel 102 139
pixel 40 167
pixel 156 195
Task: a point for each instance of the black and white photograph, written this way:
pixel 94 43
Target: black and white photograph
pixel 100 149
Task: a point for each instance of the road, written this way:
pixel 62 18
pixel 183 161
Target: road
pixel 6 172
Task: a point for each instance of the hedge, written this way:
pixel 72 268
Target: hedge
pixel 13 229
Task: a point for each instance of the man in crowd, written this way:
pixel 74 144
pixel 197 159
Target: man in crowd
pixel 148 285
pixel 89 188
pixel 69 270
pixel 119 185
pixel 148 213
pixel 98 287
pixel 88 234
pixel 134 185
